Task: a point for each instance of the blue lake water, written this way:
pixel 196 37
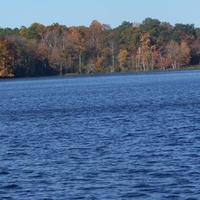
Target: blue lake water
pixel 120 136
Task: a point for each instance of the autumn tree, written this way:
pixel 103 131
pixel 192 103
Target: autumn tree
pixel 94 43
pixel 195 52
pixel 184 53
pixel 6 58
pixel 160 58
pixel 122 58
pixel 109 48
pixel 145 52
pixel 77 42
pixel 177 54
pixel 18 49
pixel 95 31
pixel 173 50
pixel 53 39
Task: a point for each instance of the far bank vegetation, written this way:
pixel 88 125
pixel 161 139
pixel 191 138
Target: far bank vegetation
pixel 57 49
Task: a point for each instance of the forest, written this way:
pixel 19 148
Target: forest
pixel 41 50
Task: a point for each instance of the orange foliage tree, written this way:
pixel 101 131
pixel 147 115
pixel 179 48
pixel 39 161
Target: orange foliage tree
pixel 77 42
pixel 6 58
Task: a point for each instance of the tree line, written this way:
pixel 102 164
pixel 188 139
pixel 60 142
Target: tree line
pixel 57 49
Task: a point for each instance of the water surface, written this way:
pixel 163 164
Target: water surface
pixel 121 136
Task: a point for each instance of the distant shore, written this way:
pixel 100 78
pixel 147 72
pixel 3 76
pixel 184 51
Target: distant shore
pixel 196 67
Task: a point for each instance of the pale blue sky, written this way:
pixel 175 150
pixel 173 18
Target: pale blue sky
pixel 17 13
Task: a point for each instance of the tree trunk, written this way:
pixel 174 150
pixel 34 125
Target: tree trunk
pixel 113 58
pixel 61 69
pixel 80 62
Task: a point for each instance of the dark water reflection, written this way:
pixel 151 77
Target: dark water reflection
pixel 129 136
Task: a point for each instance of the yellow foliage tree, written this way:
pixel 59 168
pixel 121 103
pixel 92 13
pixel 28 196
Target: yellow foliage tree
pixel 77 42
pixel 173 51
pixel 145 50
pixel 177 54
pixel 122 58
pixel 94 33
pixel 185 53
pixel 99 64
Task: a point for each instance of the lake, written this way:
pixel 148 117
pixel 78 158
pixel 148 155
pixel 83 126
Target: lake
pixel 117 136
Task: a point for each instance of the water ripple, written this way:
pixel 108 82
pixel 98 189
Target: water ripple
pixel 131 136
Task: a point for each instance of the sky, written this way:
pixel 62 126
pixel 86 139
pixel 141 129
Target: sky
pixel 18 13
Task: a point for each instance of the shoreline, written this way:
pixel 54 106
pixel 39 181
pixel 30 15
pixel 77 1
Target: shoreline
pixel 195 67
